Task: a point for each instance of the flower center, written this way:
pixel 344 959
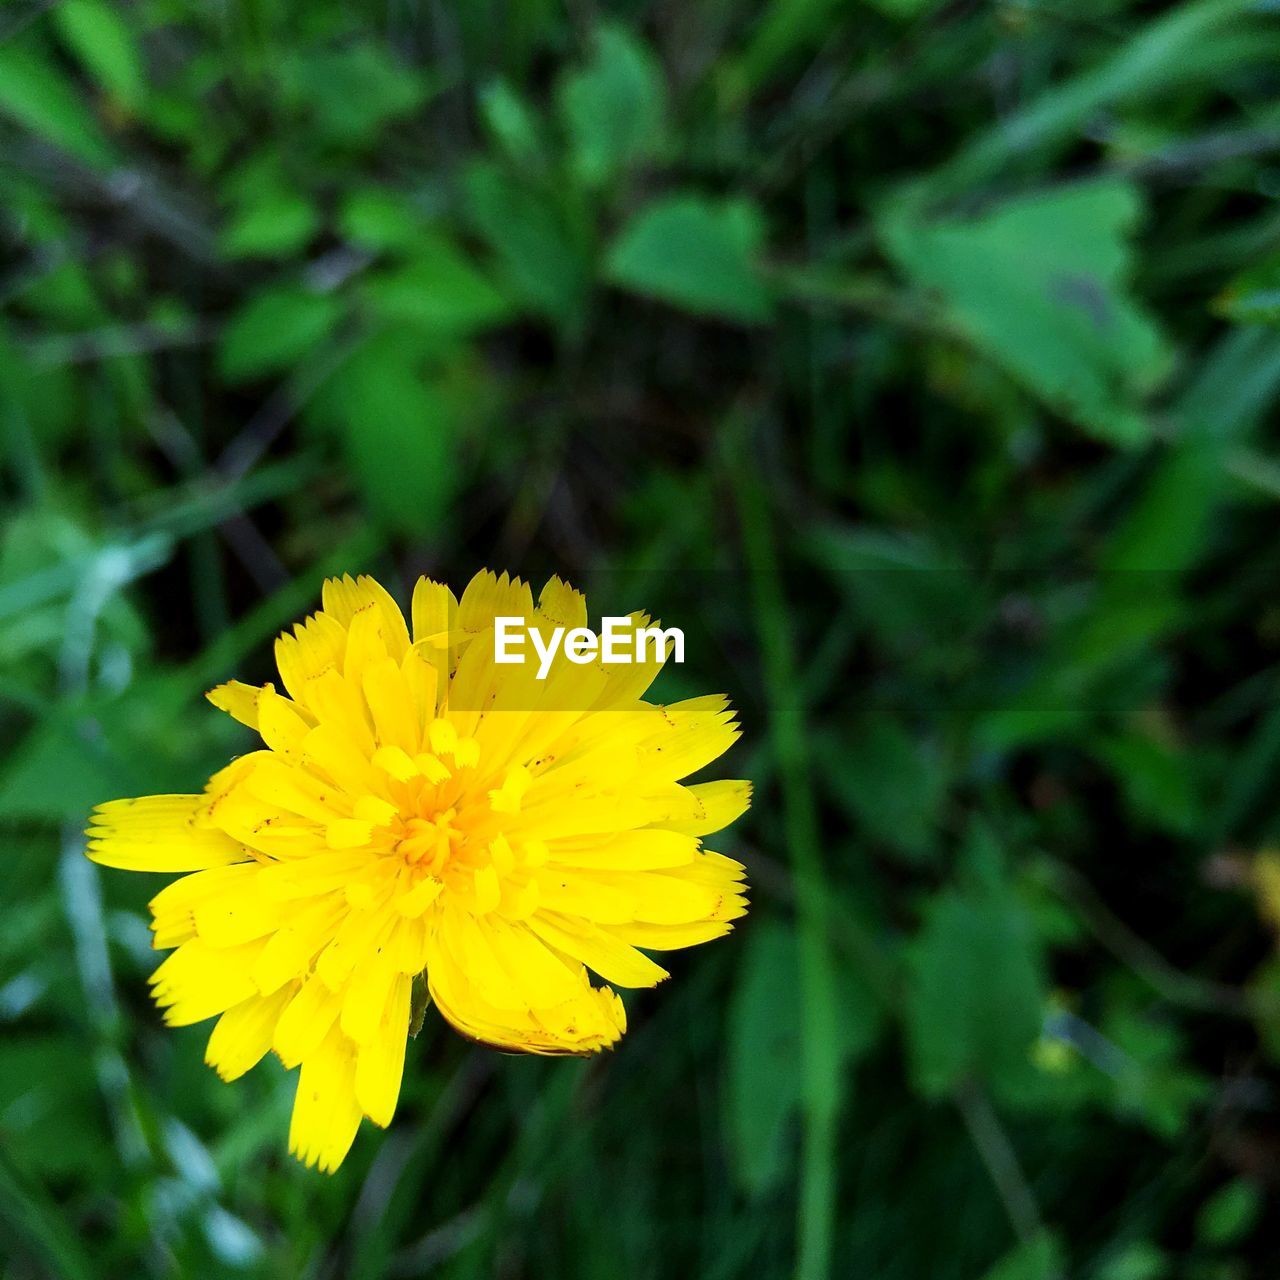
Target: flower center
pixel 428 843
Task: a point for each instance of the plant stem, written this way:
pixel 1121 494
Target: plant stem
pixel 788 736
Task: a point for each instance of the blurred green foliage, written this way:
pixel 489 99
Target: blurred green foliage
pixel 919 359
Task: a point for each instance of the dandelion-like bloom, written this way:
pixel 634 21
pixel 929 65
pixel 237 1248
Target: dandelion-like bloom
pixel 419 810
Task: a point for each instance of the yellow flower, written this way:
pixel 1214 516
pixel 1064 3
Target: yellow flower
pixel 421 810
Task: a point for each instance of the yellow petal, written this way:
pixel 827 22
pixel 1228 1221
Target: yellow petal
pixel 159 833
pixel 645 850
pixel 173 908
pixel 390 702
pixel 488 889
pixel 344 599
pixel 314 648
pixel 561 606
pixel 242 1036
pixel 326 1113
pixel 198 981
pixel 236 915
pixel 290 950
pixel 687 736
pixel 435 612
pixel 282 723
pixel 240 701
pixel 602 952
pixel 305 1021
pixel 488 596
pixel 705 807
pixel 330 750
pixel 280 785
pixel 339 704
pixel 424 682
pixel 365 1000
pixel 380 1062
pixel 669 937
pixel 590 1020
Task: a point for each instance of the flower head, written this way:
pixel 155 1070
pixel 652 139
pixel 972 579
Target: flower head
pixel 420 812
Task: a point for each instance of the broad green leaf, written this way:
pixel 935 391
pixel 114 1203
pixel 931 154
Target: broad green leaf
pixel 788 27
pixel 1163 533
pixel 1159 783
pixel 975 992
pixel 43 556
pixel 1036 1259
pixel 273 224
pixel 401 435
pixel 541 252
pixel 53 1118
pixel 764 1057
pixel 351 94
pixel 47 400
pixel 101 39
pixel 1230 1214
pixel 35 94
pixel 60 771
pixel 1141 1260
pixel 381 220
pixel 274 330
pixel 613 108
pixel 440 288
pixel 890 782
pixel 766 1052
pixel 695 253
pixel 1153 1080
pixel 1040 286
pixel 904 8
pixel 511 122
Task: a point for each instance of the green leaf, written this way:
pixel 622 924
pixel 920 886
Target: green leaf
pixel 353 93
pixel 787 27
pixel 1141 1260
pixel 274 224
pixel 274 330
pixel 1039 1258
pixel 893 784
pixel 764 1062
pixel 52 1119
pixel 440 289
pixel 401 433
pixel 37 96
pixel 1159 783
pixel 613 108
pixel 913 593
pixel 102 41
pixel 545 258
pixel 975 993
pixel 765 1056
pixel 381 220
pixel 419 1003
pixel 904 8
pixel 1253 297
pixel 1039 285
pixel 60 772
pixel 695 253
pixel 511 122
pixel 1153 1081
pixel 1230 1214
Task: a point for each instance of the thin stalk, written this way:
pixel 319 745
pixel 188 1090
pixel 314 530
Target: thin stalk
pixel 789 737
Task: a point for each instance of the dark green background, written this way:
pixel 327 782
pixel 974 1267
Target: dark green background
pixel 919 359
